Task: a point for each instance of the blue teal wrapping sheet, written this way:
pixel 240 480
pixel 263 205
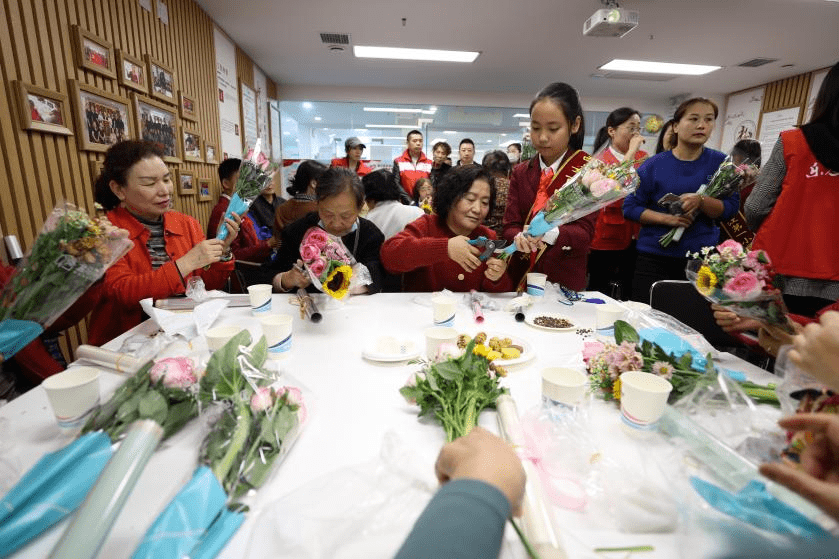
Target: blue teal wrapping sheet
pixel 54 487
pixel 184 522
pixel 756 506
pixel 236 205
pixel 674 345
pixel 218 534
pixel 16 334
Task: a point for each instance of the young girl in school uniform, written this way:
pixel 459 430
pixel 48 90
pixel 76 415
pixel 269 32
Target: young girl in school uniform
pixel 556 130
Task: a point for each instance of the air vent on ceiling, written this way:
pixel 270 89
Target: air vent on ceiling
pixel 641 76
pixel 755 62
pixel 335 38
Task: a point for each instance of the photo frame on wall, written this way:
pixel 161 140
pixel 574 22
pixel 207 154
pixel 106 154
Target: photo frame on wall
pixel 132 72
pixel 211 153
pixel 205 187
pixel 161 81
pixel 186 104
pixel 42 110
pixel 93 53
pixel 158 122
pixel 192 148
pixel 102 119
pixel 186 183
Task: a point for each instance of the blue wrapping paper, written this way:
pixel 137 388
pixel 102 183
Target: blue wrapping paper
pixel 753 504
pixel 183 523
pixel 16 334
pixel 237 205
pixel 54 487
pixel 218 534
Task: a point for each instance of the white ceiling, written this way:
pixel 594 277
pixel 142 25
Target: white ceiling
pixel 527 44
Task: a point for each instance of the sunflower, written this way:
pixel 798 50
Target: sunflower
pixel 706 280
pixel 338 282
pixel 616 390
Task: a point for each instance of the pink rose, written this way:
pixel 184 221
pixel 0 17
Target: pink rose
pixel 590 177
pixel 317 266
pixel 174 372
pixel 262 161
pixel 590 349
pixel 262 399
pixel 317 237
pixel 601 187
pixel 294 398
pixel 447 351
pixel 743 286
pixel 334 251
pixel 730 249
pixel 309 252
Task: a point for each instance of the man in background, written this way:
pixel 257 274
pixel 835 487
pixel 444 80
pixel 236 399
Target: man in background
pixel 411 166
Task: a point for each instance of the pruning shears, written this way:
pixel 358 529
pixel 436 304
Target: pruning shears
pixel 488 246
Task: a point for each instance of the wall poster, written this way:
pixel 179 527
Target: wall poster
pixel 741 117
pixel 248 116
pixel 815 83
pixel 772 124
pixel 228 95
pixel 276 131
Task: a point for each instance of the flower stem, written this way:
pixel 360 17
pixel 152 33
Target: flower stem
pixel 222 468
pixel 530 551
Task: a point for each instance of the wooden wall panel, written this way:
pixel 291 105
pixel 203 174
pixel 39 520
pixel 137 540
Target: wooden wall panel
pixel 783 94
pixel 37 169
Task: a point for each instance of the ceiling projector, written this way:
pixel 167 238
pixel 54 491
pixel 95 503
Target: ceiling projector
pixel 610 22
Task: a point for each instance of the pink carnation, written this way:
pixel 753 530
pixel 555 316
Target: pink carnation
pixel 262 399
pixel 334 251
pixel 317 237
pixel 590 349
pixel 294 398
pixel 309 252
pixel 601 187
pixel 174 372
pixel 317 266
pixel 743 286
pixel 590 177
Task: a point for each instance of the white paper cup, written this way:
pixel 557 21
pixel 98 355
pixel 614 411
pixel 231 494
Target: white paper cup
pixel 607 315
pixel 536 284
pixel 260 295
pixel 643 398
pixel 220 335
pixel 564 386
pixel 72 394
pixel 443 307
pixel 437 336
pixel 277 330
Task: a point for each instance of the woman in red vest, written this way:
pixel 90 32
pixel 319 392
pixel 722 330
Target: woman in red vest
pixel 611 262
pixel 795 204
pixel 556 129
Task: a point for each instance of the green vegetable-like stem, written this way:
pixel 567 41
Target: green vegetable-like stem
pixel 222 468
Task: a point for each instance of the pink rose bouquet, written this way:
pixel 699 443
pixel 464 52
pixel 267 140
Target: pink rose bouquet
pixel 327 262
pixel 740 280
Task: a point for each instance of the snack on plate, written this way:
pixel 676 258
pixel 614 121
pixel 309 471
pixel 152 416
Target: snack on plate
pixel 492 348
pixel 552 322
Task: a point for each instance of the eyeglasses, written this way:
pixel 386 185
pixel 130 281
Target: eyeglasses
pixel 632 129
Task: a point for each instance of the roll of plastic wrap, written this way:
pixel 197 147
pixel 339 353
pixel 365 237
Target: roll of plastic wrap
pixel 120 362
pixel 95 518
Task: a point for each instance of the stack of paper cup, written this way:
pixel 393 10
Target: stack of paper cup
pixel 444 310
pixel 72 394
pixel 607 315
pixel 643 399
pixel 260 295
pixel 536 284
pixel 436 337
pixel 277 330
pixel 563 386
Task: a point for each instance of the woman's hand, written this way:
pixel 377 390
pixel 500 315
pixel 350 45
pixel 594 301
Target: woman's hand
pixel 816 349
pixel 635 143
pixel 208 251
pixel 684 220
pixel 732 322
pixel 495 269
pixel 293 278
pixel 463 253
pixel 527 244
pixel 233 224
pixel 771 338
pixel 690 202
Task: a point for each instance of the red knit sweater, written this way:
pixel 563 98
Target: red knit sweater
pixel 420 251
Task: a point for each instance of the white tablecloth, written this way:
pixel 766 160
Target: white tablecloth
pixel 353 403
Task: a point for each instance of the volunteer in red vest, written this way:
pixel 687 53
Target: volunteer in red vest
pixel 795 204
pixel 611 262
pixel 354 148
pixel 411 165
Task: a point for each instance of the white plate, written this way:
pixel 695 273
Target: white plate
pixel 527 352
pixel 402 350
pixel 533 316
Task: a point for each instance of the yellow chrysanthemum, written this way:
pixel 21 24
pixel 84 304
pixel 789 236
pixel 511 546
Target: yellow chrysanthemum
pixel 616 390
pixel 706 280
pixel 338 282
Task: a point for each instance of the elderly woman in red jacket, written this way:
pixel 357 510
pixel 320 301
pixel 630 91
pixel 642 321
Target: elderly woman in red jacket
pixel 135 186
pixel 434 253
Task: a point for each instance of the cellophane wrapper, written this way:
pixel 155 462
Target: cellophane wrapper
pixel 255 174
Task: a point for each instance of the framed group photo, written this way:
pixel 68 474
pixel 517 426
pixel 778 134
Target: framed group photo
pixel 162 81
pixel 205 190
pixel 186 183
pixel 186 103
pixel 93 53
pixel 192 146
pixel 211 153
pixel 132 72
pixel 42 110
pixel 158 123
pixel 102 119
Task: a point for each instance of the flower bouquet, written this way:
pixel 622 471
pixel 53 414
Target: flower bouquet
pixel 70 254
pixel 327 262
pixel 255 430
pixel 596 185
pixel 255 174
pixel 727 179
pixel 741 281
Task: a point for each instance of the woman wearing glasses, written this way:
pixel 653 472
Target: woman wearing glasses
pixel 611 261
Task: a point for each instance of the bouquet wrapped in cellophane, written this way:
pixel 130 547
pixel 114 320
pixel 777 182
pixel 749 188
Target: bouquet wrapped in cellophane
pixel 739 280
pixel 596 185
pixel 727 180
pixel 327 262
pixel 255 174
